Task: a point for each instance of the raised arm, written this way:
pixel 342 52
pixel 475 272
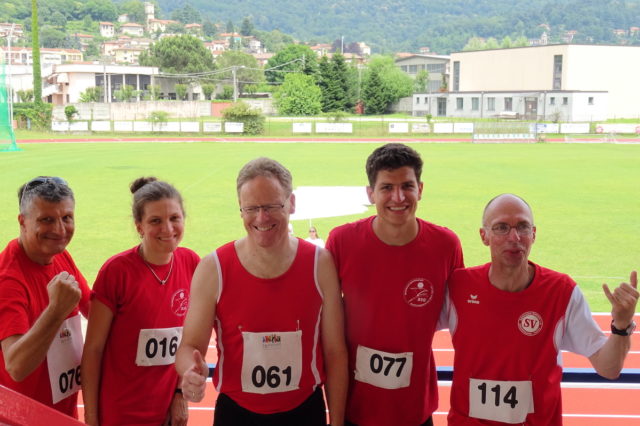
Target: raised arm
pixel 333 341
pixel 100 319
pixel 24 353
pixel 197 329
pixel 609 360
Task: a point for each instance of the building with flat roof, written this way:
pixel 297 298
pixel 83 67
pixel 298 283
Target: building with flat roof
pixel 551 73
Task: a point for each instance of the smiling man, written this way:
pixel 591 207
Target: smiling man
pixel 41 294
pixel 275 302
pixel 510 318
pixel 393 268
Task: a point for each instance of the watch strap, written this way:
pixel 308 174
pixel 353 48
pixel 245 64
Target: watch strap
pixel 625 332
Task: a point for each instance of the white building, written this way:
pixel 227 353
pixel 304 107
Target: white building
pixel 107 29
pixel 579 73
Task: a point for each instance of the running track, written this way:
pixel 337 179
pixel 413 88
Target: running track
pixel 584 404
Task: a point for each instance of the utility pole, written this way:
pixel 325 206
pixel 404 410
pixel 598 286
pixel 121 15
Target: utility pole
pixel 235 84
pixel 10 72
pixel 342 45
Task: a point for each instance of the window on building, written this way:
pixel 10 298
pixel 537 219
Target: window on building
pixel 456 76
pixel 590 100
pixel 508 104
pixel 475 104
pixel 491 104
pixel 403 68
pixel 435 68
pixel 417 99
pixel 557 72
pixel 413 69
pixel 565 101
pixel 552 101
pixel 459 103
pixel 195 96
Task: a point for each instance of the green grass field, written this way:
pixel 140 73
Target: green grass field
pixel 585 197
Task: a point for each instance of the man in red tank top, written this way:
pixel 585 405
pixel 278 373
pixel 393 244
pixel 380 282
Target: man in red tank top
pixel 510 318
pixel 274 301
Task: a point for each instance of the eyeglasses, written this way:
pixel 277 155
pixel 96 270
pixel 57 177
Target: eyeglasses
pixel 523 229
pixel 41 180
pixel 267 208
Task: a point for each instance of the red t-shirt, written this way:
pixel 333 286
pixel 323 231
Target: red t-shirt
pixel 392 299
pixel 278 307
pixel 23 298
pixel 129 393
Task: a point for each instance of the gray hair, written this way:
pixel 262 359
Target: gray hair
pixel 47 188
pixel 268 168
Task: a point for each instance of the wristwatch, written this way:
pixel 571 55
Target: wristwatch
pixel 626 332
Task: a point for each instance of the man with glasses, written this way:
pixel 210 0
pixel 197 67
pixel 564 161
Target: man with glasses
pixel 275 302
pixel 393 268
pixel 510 318
pixel 41 294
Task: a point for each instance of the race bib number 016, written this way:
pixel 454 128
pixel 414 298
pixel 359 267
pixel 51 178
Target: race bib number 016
pixel 501 401
pixel 383 369
pixel 271 362
pixel 158 346
pixel 63 360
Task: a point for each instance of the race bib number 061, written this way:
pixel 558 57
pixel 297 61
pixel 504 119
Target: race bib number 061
pixel 383 369
pixel 501 401
pixel 158 346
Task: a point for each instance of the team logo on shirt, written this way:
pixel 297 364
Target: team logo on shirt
pixel 473 299
pixel 418 292
pixel 530 323
pixel 180 302
pixel 64 334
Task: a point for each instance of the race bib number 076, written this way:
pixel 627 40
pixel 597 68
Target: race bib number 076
pixel 501 401
pixel 383 369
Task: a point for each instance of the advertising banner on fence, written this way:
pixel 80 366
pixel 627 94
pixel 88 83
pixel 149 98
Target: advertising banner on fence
pixel 443 128
pixel 420 128
pixel 547 128
pixel 462 127
pixel 574 128
pixel 211 127
pixel 302 128
pixel 230 127
pixel 398 127
pixel 618 128
pixel 334 128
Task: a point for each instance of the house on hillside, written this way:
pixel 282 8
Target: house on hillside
pixel 133 29
pixel 436 65
pixel 107 29
pixel 13 28
pixel 83 40
pixel 48 56
pixel 155 25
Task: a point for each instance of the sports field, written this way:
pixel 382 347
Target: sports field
pixel 585 197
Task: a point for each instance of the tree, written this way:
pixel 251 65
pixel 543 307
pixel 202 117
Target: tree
pixel 135 10
pixel 394 84
pixel 125 93
pixel 91 94
pixel 180 54
pixel 274 41
pixel 25 95
pixel 298 95
pixel 246 66
pixel 375 100
pixel 207 90
pixel 246 29
pixel 181 91
pixel 53 38
pixel 335 89
pixel 101 10
pixel 35 45
pixel 421 83
pixel 209 29
pixel 230 27
pixel 293 58
pixel 187 15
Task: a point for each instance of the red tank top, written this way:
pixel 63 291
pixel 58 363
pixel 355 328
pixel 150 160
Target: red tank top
pixel 268 333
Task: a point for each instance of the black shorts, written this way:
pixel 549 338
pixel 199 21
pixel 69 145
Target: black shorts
pixel 312 412
pixel 428 422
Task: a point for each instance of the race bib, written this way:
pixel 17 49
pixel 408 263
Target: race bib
pixel 383 369
pixel 63 359
pixel 501 401
pixel 158 346
pixel 271 362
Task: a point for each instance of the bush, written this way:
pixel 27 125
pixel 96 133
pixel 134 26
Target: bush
pixel 240 112
pixel 227 92
pixel 156 118
pixel 25 95
pixel 70 111
pixel 39 114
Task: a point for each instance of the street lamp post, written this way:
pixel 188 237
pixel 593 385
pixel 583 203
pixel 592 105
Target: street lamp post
pixel 10 72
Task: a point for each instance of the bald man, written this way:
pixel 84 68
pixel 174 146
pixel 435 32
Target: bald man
pixel 509 320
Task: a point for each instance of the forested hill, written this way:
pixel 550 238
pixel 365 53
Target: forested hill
pixel 443 25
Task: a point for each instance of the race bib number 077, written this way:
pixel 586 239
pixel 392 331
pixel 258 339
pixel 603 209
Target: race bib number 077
pixel 383 369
